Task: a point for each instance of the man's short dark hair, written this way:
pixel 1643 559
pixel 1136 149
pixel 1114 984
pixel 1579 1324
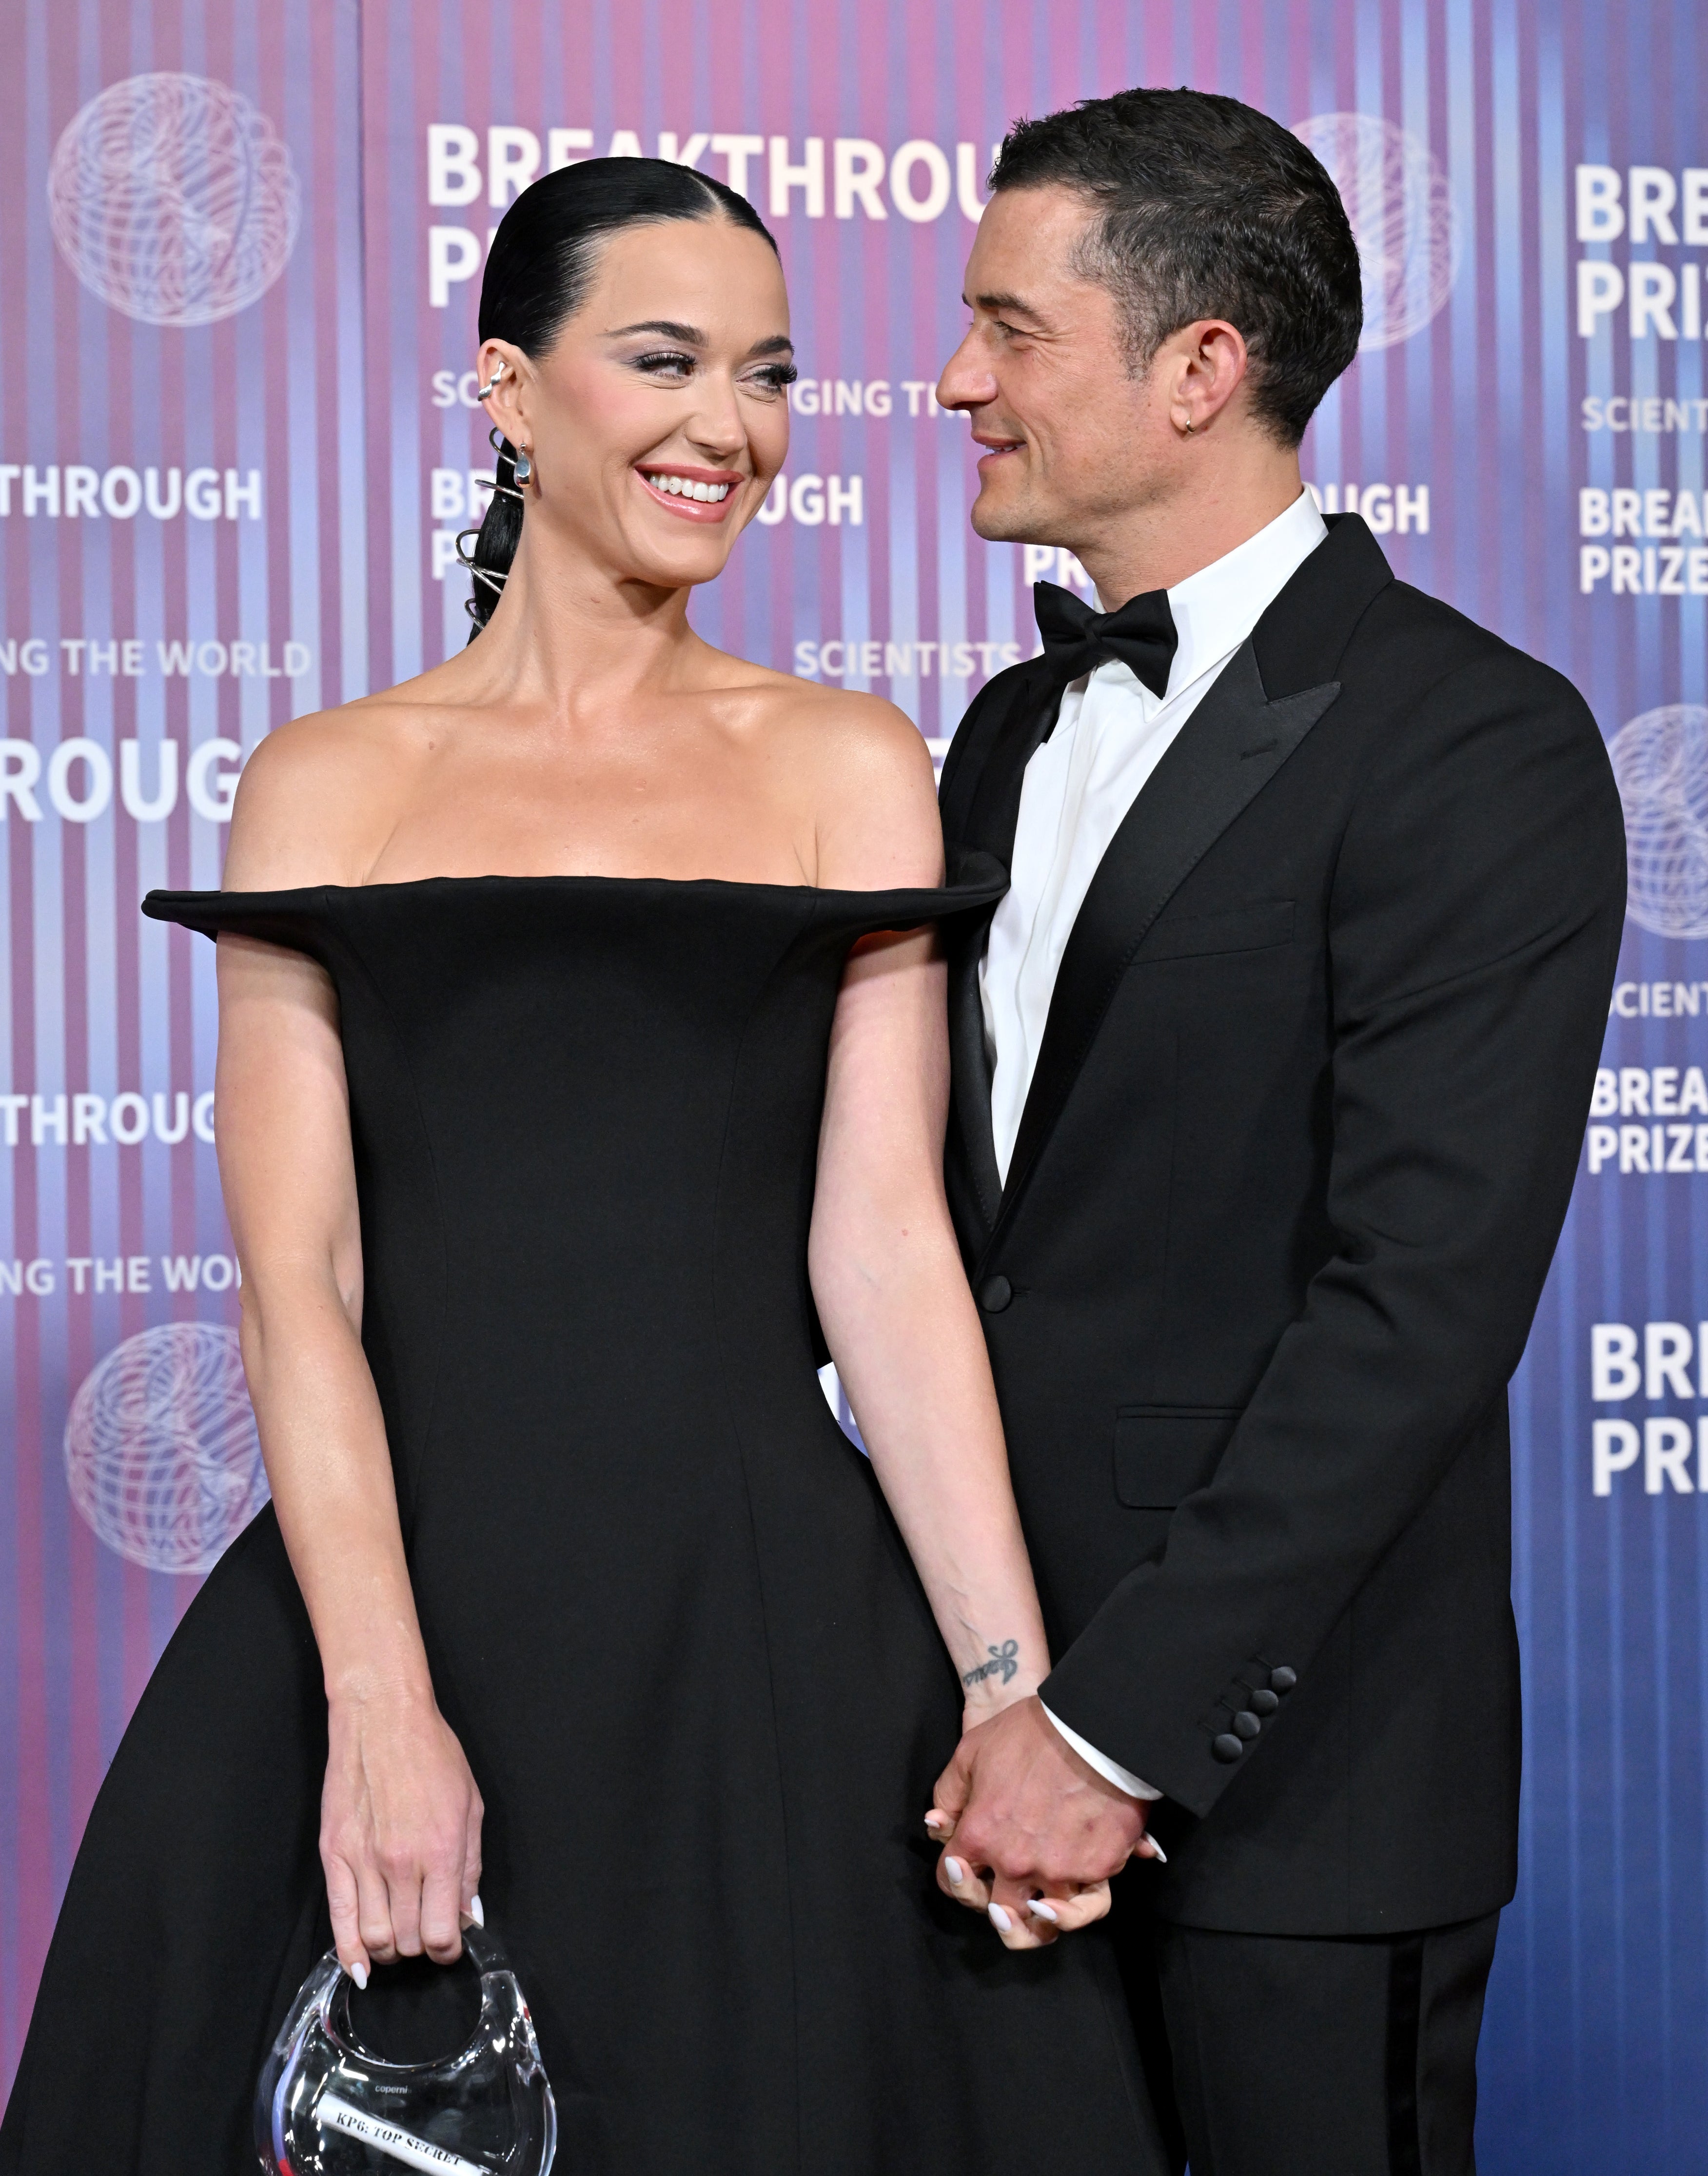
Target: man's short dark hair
pixel 1210 210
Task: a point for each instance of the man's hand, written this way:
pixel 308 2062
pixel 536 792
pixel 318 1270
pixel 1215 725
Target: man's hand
pixel 1035 1831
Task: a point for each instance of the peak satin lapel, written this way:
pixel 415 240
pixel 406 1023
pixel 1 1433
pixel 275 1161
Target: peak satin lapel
pixel 992 805
pixel 1227 752
pixel 969 1072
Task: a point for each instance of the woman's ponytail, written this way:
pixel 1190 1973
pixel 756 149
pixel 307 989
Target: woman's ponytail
pixel 496 539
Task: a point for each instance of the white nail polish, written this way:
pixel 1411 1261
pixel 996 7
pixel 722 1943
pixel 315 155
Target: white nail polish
pixel 999 1918
pixel 476 1911
pixel 1156 1851
pixel 358 1972
pixel 933 1820
pixel 1043 1911
pixel 955 1871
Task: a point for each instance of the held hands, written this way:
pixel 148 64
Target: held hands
pixel 1031 1832
pixel 399 1832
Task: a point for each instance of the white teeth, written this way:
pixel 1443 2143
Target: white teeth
pixel 712 494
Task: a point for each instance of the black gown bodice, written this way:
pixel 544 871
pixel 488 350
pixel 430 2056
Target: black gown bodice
pixel 585 1116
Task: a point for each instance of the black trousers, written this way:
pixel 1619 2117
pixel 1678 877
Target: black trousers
pixel 1287 2056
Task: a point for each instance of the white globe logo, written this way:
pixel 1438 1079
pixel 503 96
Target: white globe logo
pixel 1404 222
pixel 173 199
pixel 1661 762
pixel 160 1450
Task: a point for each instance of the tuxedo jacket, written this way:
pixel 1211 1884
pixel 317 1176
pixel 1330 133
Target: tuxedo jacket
pixel 1295 1157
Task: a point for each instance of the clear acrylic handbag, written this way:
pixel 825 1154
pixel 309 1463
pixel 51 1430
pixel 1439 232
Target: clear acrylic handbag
pixel 328 2106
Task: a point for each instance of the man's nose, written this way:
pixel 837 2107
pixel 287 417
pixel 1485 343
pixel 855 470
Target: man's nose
pixel 967 380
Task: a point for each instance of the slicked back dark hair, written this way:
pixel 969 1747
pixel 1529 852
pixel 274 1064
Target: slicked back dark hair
pixel 1209 209
pixel 539 269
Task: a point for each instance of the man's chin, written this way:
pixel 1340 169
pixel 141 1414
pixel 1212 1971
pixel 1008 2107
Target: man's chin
pixel 996 518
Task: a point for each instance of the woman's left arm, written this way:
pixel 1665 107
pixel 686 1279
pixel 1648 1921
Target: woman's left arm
pixel 886 1272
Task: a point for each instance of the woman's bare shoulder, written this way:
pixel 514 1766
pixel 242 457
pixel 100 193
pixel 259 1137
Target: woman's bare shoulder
pixel 872 785
pixel 833 727
pixel 318 796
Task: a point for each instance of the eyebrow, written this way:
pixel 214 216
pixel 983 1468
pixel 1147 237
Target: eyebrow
pixel 1007 306
pixel 691 336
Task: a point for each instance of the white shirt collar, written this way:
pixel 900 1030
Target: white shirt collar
pixel 1216 608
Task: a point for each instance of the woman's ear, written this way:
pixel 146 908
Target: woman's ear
pixel 505 377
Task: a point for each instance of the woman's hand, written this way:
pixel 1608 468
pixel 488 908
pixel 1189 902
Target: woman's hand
pixel 1031 1833
pixel 399 1832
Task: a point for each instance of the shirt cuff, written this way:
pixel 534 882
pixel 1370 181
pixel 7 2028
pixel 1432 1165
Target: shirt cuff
pixel 1111 1771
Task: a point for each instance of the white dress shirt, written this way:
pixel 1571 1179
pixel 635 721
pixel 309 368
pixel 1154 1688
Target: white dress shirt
pixel 1111 733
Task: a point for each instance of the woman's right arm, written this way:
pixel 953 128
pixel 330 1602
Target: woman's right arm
pixel 400 1815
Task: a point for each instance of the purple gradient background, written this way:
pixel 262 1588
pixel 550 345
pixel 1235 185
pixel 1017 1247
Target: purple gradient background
pixel 1593 2058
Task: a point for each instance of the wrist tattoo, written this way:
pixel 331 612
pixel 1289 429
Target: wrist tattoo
pixel 1003 1663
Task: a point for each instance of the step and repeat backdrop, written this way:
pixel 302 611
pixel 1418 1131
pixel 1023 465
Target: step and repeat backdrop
pixel 240 255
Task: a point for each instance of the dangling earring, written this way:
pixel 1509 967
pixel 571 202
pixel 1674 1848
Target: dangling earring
pixel 524 466
pixel 496 440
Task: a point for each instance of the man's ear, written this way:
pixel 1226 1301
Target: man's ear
pixel 1209 361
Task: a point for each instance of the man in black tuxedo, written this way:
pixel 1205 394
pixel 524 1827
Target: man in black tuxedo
pixel 1270 1075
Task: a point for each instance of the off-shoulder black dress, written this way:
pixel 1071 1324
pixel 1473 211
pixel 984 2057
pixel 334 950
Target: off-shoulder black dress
pixel 667 1612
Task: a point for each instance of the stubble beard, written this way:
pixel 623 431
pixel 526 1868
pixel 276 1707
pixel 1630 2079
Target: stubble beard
pixel 1016 522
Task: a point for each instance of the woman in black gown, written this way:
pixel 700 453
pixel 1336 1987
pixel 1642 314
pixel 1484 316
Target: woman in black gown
pixel 565 1063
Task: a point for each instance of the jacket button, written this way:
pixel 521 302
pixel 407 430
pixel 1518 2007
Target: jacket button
pixel 1226 1747
pixel 1265 1703
pixel 995 1295
pixel 1283 1679
pixel 1246 1725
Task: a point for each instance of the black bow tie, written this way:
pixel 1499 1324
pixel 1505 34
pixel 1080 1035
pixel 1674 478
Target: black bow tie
pixel 1141 634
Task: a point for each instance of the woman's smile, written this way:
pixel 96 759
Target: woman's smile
pixel 693 494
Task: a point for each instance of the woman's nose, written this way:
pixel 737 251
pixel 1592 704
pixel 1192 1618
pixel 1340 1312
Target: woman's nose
pixel 716 425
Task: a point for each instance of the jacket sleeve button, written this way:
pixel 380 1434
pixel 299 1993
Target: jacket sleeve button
pixel 1246 1725
pixel 1226 1747
pixel 994 1294
pixel 1265 1703
pixel 1283 1679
